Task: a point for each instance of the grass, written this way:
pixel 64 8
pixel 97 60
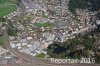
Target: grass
pixel 39 24
pixel 8 2
pixel 45 16
pixel 1 40
pixel 41 55
pixel 4 10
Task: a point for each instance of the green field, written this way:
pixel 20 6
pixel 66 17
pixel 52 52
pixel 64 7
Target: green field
pixel 4 10
pixel 39 24
pixel 8 1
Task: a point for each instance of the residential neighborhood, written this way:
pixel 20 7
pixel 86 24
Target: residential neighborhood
pixel 38 28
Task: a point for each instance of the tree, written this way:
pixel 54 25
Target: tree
pixel 2 19
pixel 70 48
pixel 98 59
pixel 12 31
pixel 92 5
pixel 56 51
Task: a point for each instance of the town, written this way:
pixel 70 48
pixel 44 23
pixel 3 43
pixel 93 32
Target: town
pixel 27 31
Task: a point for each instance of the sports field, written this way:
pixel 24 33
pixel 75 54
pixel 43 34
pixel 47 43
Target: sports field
pixel 6 7
pixel 2 2
pixel 4 10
